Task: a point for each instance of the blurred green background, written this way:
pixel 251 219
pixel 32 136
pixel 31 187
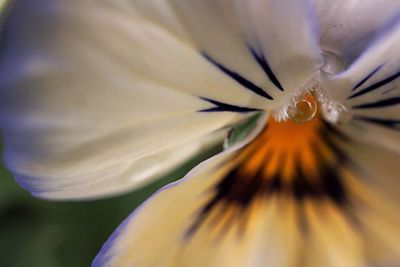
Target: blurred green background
pixel 39 233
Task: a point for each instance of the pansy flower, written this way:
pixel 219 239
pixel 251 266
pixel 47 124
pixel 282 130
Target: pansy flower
pixel 98 97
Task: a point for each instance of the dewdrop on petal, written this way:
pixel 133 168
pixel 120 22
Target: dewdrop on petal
pixel 303 108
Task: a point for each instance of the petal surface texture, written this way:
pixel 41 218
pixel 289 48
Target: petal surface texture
pixel 318 199
pixel 370 88
pixel 347 27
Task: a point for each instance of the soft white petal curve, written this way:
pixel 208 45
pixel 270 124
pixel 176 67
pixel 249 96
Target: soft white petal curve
pixel 93 84
pixel 121 177
pixel 370 89
pixel 347 27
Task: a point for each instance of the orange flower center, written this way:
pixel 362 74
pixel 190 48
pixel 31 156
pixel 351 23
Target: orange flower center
pixel 296 161
pixel 285 148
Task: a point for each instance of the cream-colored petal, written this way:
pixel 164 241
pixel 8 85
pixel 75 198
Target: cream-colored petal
pixel 348 26
pixel 375 195
pixel 91 85
pixel 120 177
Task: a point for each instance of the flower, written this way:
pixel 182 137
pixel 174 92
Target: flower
pixel 100 97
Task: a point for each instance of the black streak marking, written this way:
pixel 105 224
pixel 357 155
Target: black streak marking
pixel 367 78
pixel 376 85
pixel 238 78
pixel 331 181
pixel 329 184
pixel 232 190
pixel 223 107
pixel 380 104
pixel 389 123
pixel 262 61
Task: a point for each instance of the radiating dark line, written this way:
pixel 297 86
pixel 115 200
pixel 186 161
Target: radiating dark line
pixel 302 187
pixel 231 190
pixel 367 78
pixel 389 90
pixel 332 183
pixel 329 185
pixel 329 130
pixel 239 79
pixel 389 123
pixel 223 107
pixel 262 61
pixel 380 104
pixel 376 85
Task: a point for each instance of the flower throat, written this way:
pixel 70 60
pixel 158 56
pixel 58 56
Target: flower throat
pixel 300 162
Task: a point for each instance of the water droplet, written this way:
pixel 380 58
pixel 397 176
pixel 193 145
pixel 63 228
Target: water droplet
pixel 335 112
pixel 303 108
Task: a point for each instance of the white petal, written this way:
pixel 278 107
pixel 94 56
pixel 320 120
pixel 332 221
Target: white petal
pixel 272 44
pixel 91 85
pixel 370 88
pixel 120 177
pixel 348 26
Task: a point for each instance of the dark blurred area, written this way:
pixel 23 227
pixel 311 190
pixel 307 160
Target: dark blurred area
pixel 40 233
